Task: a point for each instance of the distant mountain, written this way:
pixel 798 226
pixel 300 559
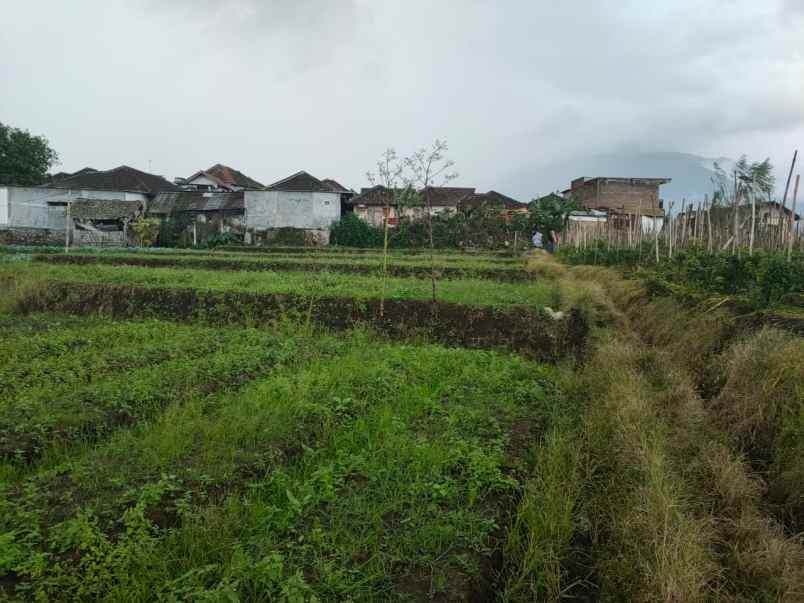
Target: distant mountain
pixel 691 174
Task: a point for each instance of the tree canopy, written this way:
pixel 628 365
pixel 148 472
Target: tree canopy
pixel 551 212
pixel 24 158
pixel 753 179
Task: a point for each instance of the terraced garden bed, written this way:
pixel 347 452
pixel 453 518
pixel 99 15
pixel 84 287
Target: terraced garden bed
pixel 348 468
pixel 518 328
pixel 535 294
pixel 482 270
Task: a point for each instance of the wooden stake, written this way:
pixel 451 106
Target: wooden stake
pixel 753 224
pixel 68 221
pixel 792 221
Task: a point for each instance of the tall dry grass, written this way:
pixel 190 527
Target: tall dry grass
pixel 650 545
pixel 761 404
pixel 679 512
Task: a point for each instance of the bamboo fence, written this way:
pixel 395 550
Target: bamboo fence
pixel 735 228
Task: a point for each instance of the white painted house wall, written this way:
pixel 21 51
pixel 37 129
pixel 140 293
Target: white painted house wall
pixel 280 209
pixel 202 181
pixel 3 205
pixel 33 206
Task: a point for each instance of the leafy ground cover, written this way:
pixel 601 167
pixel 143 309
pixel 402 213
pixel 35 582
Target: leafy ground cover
pixel 465 291
pixel 261 263
pixel 761 280
pixel 79 383
pixel 365 470
pixel 441 256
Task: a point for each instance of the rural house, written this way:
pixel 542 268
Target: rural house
pixel 99 222
pixel 345 193
pixel 37 214
pixel 193 216
pixel 623 199
pixel 219 178
pixel 494 201
pixel 768 214
pixel 370 205
pixel 299 207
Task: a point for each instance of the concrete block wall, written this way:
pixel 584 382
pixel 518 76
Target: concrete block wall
pixel 30 236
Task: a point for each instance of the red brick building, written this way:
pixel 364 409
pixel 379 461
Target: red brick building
pixel 630 196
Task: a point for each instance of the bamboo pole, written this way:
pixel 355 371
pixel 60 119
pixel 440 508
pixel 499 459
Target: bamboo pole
pixel 789 176
pixel 753 225
pixel 670 233
pixel 792 221
pixel 734 238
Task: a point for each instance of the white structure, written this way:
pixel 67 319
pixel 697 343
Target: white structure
pixel 219 178
pixel 43 207
pixel 299 201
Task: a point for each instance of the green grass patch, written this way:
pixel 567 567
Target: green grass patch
pixel 67 386
pixel 380 472
pixel 319 284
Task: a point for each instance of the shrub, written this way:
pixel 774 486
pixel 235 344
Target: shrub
pixel 484 228
pixel 762 279
pixel 146 230
pixel 351 231
pixel 223 238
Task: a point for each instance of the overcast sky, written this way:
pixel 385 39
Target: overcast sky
pixel 272 87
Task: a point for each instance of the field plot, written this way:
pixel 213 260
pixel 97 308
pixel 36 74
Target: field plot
pixel 474 312
pixel 174 433
pixel 467 291
pixel 349 467
pixel 357 265
pixel 241 449
pixel 296 254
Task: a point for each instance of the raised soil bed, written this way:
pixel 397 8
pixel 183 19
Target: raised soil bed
pixel 518 328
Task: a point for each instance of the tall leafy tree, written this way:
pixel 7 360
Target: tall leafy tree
pixel 754 180
pixel 551 212
pixel 24 158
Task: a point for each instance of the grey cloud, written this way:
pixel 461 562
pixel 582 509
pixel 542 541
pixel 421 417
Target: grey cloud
pixel 273 87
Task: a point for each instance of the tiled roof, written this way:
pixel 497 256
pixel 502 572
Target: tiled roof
pixel 228 177
pixel 123 178
pixel 62 175
pixel 166 203
pixel 103 209
pixel 376 195
pixel 440 196
pixel 447 196
pixel 491 199
pixel 300 182
pixel 334 186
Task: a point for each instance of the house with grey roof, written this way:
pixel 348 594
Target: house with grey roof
pixel 44 208
pixel 300 202
pixel 100 222
pixel 219 178
pixel 193 216
pixel 372 203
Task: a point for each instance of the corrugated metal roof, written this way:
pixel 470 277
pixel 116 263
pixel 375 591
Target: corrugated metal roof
pixel 167 203
pixel 103 209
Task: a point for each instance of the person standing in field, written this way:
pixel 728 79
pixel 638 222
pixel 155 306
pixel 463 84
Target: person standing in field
pixel 537 239
pixel 550 244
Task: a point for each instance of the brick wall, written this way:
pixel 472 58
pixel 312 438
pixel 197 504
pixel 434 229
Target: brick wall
pixel 629 196
pixel 618 195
